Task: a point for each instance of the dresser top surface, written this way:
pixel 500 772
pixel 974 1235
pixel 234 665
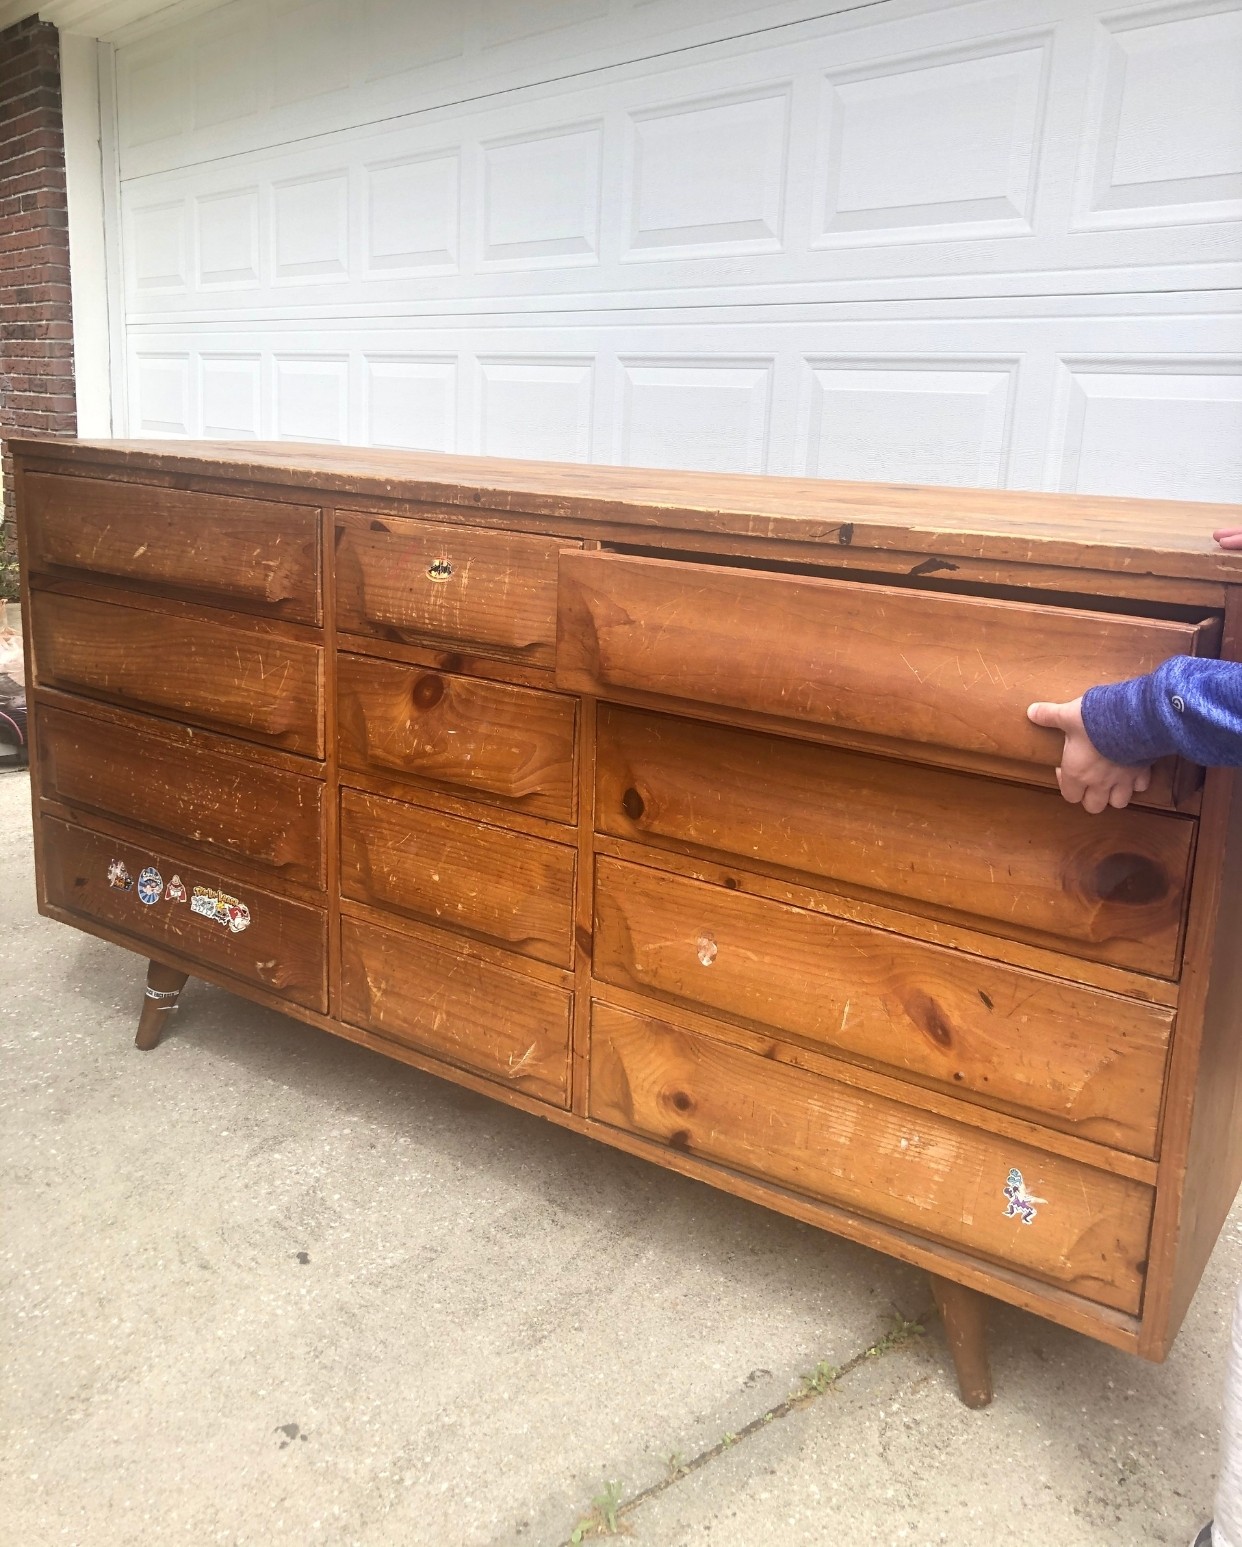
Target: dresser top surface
pixel 1151 537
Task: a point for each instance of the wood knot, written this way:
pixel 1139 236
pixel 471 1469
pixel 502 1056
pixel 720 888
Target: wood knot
pixel 378 526
pixel 929 1018
pixel 633 804
pixel 428 691
pixel 680 1140
pixel 1133 880
pixel 681 1100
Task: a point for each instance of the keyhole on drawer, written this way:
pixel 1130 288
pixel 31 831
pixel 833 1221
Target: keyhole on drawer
pixel 632 804
pixel 707 950
pixel 428 691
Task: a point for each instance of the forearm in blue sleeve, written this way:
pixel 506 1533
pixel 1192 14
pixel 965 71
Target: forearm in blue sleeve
pixel 1189 706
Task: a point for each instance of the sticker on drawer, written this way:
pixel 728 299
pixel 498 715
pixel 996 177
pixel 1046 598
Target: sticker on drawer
pixel 220 908
pixel 150 886
pixel 1020 1204
pixel 119 877
pixel 175 890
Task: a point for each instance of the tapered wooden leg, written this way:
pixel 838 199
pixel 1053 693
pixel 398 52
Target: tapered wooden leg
pixel 164 985
pixel 964 1313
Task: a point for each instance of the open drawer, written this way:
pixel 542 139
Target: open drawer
pixel 876 666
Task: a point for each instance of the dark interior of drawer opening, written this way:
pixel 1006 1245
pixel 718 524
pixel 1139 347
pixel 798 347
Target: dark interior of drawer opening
pixel 1133 607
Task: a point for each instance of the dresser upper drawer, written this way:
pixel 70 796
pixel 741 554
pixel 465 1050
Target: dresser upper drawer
pixel 423 580
pixel 501 743
pixel 215 547
pixel 949 672
pixel 1014 861
pixel 230 674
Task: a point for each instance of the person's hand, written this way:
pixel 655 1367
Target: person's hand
pixel 1084 774
pixel 1229 536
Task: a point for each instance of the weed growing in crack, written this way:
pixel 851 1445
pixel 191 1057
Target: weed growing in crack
pixel 823 1376
pixel 602 1520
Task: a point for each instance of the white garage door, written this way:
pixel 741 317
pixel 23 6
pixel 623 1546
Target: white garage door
pixel 985 243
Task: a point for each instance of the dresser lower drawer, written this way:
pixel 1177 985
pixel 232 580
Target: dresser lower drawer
pixel 428 992
pixel 185 788
pixel 1088 1062
pixel 1017 862
pixel 201 916
pixel 1082 1229
pixel 506 888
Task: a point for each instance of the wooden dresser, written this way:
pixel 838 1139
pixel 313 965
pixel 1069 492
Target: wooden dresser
pixel 698 814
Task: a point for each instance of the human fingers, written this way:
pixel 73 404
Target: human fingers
pixel 1119 795
pixel 1229 536
pixel 1054 716
pixel 1142 780
pixel 1095 799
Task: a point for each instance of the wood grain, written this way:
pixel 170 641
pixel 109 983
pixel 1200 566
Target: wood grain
pixel 1010 860
pixel 194 793
pixel 1090 1229
pixel 424 990
pixel 502 886
pixel 508 744
pixel 949 671
pixel 283 947
pixel 228 674
pixel 407 580
pixel 1086 1062
pixel 1163 537
pixel 246 551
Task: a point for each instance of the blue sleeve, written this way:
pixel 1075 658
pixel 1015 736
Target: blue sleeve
pixel 1189 706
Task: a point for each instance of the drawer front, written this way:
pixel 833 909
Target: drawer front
pixel 1073 1058
pixel 201 915
pixel 951 672
pixel 432 997
pixel 423 580
pixel 508 744
pixel 226 675
pixel 1010 860
pixel 216 547
pixel 1087 1229
pixel 232 807
pixel 506 888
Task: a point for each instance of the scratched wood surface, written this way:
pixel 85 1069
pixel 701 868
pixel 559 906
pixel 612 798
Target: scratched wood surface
pixel 407 580
pixel 224 672
pixel 282 947
pixel 950 671
pixel 1086 1062
pixel 249 551
pixel 1009 859
pixel 912 1167
pixel 426 989
pixel 201 794
pixel 509 744
pixel 502 886
pixel 1164 537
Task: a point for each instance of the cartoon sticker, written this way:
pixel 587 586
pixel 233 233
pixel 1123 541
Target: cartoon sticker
pixel 439 569
pixel 150 885
pixel 1021 1204
pixel 220 908
pixel 175 890
pixel 119 877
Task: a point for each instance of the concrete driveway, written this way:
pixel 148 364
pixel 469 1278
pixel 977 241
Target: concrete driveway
pixel 261 1286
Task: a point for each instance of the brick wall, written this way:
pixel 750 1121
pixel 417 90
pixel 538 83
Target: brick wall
pixel 36 319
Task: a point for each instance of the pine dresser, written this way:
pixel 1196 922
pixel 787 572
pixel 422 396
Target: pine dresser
pixel 696 813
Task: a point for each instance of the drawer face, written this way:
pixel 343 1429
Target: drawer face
pixel 216 547
pixel 508 744
pixel 423 580
pixel 1074 1058
pixel 434 998
pixel 1016 862
pixel 269 941
pixel 231 807
pixel 952 672
pixel 228 675
pixel 1088 1229
pixel 506 888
